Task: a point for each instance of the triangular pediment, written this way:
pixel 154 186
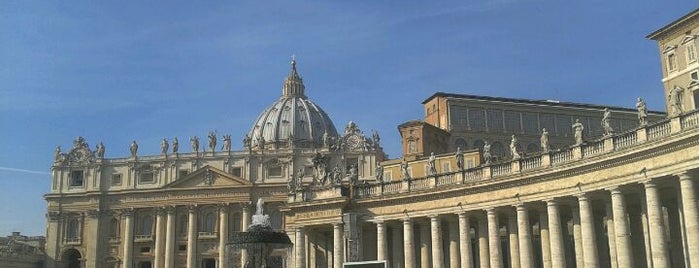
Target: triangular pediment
pixel 688 38
pixel 669 49
pixel 208 177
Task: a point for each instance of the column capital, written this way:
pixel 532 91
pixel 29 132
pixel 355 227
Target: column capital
pixel 582 196
pixel 377 222
pixel 462 214
pixel 551 202
pixel 169 209
pixel 192 208
pixel 684 175
pixel 407 220
pixel 490 211
pixel 223 206
pixel 615 190
pixel 649 183
pixel 127 212
pixel 520 206
pixel 433 217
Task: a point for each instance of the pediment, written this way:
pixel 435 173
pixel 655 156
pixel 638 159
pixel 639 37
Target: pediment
pixel 688 38
pixel 669 48
pixel 208 177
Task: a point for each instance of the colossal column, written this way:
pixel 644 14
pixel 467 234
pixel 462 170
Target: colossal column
pixel 545 239
pixel 170 238
pixel 93 232
pixel 338 242
pixel 246 222
pixel 577 238
pixel 425 246
pixel 494 238
pixel 526 254
pixel 159 238
pixel 437 253
pixel 658 246
pixel 192 236
pixel 128 238
pixel 483 249
pixel 408 244
pixel 587 228
pixel 453 244
pixel 465 241
pixel 691 217
pixel 300 248
pixel 381 249
pixel 558 257
pixel 222 235
pixel 513 233
pixel 624 252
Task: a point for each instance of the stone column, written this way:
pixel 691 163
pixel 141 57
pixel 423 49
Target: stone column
pixel 300 248
pixel 624 251
pixel 513 234
pixel 92 258
pixel 465 241
pixel 397 256
pixel 545 239
pixel 127 261
pixel 338 243
pixel 425 246
pixel 691 217
pixel 222 235
pixel 192 237
pixel 526 255
pixel 159 238
pixel 611 235
pixel 577 238
pixel 170 238
pixel 587 228
pixel 244 225
pixel 453 244
pixel 494 238
pixel 558 257
pixel 659 248
pixel 483 249
pixel 381 248
pixel 408 243
pixel 437 251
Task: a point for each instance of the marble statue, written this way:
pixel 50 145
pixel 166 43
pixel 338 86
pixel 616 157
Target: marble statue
pixel 261 143
pixel 57 154
pixel 376 138
pixel 290 140
pixel 431 168
pixel 226 143
pixel 175 145
pixel 379 172
pixel 212 141
pixel 326 139
pixel 337 175
pixel 459 158
pixel 299 179
pixel 100 150
pixel 578 132
pixel 642 112
pixel 164 145
pixel 513 147
pixel 404 169
pixel 195 144
pixel 259 218
pixel 320 167
pixel 544 140
pixel 291 184
pixel 487 156
pixel 133 148
pixel 607 122
pixel 247 141
pixel 353 176
pixel 675 100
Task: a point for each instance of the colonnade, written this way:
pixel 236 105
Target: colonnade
pixel 621 226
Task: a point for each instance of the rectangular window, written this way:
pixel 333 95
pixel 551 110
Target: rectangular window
pixel 147 177
pixel 671 62
pixel 694 75
pixel 691 53
pixel 76 178
pixel 446 167
pixel 237 171
pixel 116 179
pixel 274 171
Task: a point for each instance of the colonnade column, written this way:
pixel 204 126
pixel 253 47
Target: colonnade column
pixel 453 244
pixel 222 235
pixel 494 238
pixel 624 252
pixel 577 238
pixel 381 249
pixel 300 248
pixel 159 238
pixel 465 241
pixel 397 258
pixel 338 242
pixel 691 217
pixel 244 226
pixel 558 257
pixel 545 239
pixel 408 243
pixel 513 234
pixel 170 237
pixel 437 252
pixel 128 238
pixel 483 249
pixel 192 237
pixel 659 251
pixel 526 255
pixel 587 228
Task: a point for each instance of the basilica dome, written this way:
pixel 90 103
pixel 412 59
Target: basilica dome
pixel 291 121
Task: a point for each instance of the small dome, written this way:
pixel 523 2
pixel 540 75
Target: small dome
pixel 293 120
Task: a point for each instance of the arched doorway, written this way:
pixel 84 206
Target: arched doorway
pixel 71 258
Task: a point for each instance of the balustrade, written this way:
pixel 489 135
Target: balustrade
pixel 690 120
pixel 625 140
pixel 502 169
pixel 561 156
pixel 659 130
pixel 531 162
pixel 593 148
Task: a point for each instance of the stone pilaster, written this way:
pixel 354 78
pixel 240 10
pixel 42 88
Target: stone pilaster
pixel 624 251
pixel 436 235
pixel 158 257
pixel 494 239
pixel 170 238
pixel 691 217
pixel 465 241
pixel 408 243
pixel 192 237
pixel 526 254
pixel 659 247
pixel 558 257
pixel 127 260
pixel 222 235
pixel 245 214
pixel 93 258
pixel 338 242
pixel 587 228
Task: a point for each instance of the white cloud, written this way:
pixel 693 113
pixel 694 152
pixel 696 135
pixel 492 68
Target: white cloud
pixel 9 169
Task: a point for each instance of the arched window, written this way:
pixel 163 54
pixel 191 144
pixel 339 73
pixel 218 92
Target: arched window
pixel 478 144
pixel 114 228
pixel 209 222
pixel 73 230
pixel 146 225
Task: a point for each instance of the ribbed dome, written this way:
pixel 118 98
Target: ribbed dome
pixel 293 115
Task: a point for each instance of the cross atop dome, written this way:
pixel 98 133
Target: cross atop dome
pixel 293 84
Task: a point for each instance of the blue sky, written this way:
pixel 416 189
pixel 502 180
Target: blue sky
pixel 143 70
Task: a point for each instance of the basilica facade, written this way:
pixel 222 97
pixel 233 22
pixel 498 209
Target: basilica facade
pixel 621 194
